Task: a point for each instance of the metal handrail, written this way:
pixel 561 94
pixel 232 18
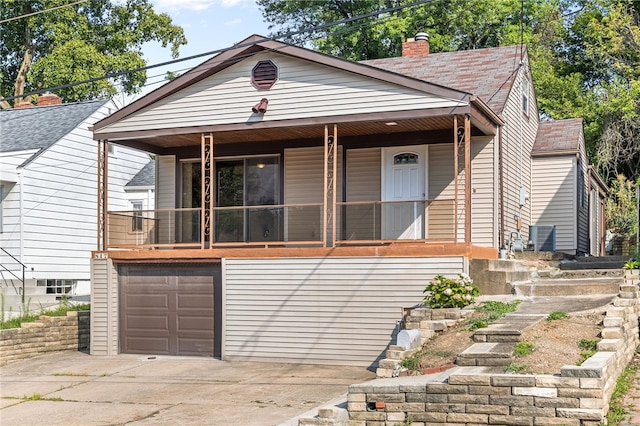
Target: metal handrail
pixel 24 267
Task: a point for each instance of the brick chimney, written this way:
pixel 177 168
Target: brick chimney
pixel 49 99
pixel 23 104
pixel 418 46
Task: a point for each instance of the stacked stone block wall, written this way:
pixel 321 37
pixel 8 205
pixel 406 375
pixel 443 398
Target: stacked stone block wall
pixel 47 334
pixel 578 396
pixel 429 322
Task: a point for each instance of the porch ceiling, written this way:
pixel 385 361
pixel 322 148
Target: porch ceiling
pixel 183 137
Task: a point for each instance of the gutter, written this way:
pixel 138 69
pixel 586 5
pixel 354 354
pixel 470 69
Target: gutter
pixel 482 106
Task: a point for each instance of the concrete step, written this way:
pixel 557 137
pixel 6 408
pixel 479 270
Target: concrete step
pixel 579 273
pixel 501 332
pixel 603 262
pixel 486 354
pixel 568 287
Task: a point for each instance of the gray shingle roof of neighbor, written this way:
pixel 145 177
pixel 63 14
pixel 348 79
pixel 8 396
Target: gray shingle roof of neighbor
pixel 146 176
pixel 39 127
pixel 558 136
pixel 487 73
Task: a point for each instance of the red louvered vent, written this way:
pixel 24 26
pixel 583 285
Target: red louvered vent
pixel 264 75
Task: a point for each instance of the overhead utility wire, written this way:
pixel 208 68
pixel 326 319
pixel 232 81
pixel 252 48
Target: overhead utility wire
pixel 214 52
pixel 41 11
pixel 187 70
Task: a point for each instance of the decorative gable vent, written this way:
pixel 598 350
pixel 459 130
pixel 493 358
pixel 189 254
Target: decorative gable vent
pixel 264 75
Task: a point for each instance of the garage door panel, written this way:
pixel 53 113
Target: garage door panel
pixel 146 345
pixel 152 301
pixel 194 347
pixel 152 323
pixel 191 302
pixel 167 310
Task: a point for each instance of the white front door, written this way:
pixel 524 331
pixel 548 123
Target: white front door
pixel 403 192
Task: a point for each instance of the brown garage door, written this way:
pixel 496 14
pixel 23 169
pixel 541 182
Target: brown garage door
pixel 166 310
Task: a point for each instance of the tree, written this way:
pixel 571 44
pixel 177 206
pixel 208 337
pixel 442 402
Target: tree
pixel 79 42
pixel 584 54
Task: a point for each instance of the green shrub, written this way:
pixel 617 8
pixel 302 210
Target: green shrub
pixel 589 348
pixel 523 349
pixel 557 315
pixel 443 292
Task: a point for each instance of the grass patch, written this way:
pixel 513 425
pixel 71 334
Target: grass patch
pixel 412 362
pixel 515 368
pixel 557 315
pixel 617 411
pixel 33 397
pixel 58 312
pixel 589 348
pixel 491 311
pixel 523 349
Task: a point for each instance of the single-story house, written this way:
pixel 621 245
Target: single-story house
pixel 303 200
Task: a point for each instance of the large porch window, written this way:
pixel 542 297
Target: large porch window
pixel 245 189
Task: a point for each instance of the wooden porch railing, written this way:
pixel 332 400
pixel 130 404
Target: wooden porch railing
pixel 285 225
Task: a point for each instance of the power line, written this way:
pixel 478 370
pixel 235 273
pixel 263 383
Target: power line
pixel 218 51
pixel 41 11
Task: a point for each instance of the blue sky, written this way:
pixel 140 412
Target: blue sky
pixel 208 25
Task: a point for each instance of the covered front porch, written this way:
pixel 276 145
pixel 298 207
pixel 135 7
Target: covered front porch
pixel 333 186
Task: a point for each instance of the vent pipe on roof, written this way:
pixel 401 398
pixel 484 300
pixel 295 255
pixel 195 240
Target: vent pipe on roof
pixel 416 47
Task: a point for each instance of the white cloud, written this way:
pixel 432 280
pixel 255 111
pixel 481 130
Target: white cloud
pixel 174 5
pixel 233 23
pixel 196 5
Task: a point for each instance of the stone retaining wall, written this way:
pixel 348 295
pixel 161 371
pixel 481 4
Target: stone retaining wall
pixel 47 334
pixel 579 396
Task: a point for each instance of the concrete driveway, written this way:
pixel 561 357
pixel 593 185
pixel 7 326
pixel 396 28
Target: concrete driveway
pixel 73 388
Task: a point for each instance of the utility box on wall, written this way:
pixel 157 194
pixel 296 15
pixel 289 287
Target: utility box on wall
pixel 543 237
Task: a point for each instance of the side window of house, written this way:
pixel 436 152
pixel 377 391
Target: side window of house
pixel 525 95
pixel 136 225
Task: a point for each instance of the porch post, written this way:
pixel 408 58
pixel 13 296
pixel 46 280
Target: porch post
pixel 334 183
pixel 102 182
pixel 206 202
pixel 467 179
pixel 456 141
pixel 325 180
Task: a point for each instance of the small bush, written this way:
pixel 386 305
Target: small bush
pixel 515 368
pixel 523 349
pixel 494 310
pixel 589 348
pixel 443 292
pixel 557 315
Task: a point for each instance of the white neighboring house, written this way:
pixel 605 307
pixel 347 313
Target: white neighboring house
pixel 48 193
pixel 140 194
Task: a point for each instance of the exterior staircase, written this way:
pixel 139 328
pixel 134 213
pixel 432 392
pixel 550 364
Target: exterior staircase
pixel 575 277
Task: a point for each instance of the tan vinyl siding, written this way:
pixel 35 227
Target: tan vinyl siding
pixel 518 136
pixel 363 184
pixel 441 220
pixel 303 90
pixel 166 192
pixel 341 311
pixel 104 308
pixel 484 218
pixel 583 200
pixel 303 184
pixel 553 198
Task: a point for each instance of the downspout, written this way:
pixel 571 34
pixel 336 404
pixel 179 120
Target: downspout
pixel 501 241
pixel 20 173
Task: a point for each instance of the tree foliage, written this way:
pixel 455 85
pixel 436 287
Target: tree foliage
pixel 79 42
pixel 585 54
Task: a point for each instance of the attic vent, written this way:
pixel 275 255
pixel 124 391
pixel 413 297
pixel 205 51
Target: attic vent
pixel 264 74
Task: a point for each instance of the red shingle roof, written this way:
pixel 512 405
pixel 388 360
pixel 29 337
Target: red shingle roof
pixel 487 73
pixel 558 136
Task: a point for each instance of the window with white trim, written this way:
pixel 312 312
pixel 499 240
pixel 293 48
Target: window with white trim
pixel 525 95
pixel 136 224
pixel 57 286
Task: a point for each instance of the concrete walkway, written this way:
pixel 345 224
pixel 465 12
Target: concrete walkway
pixel 73 388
